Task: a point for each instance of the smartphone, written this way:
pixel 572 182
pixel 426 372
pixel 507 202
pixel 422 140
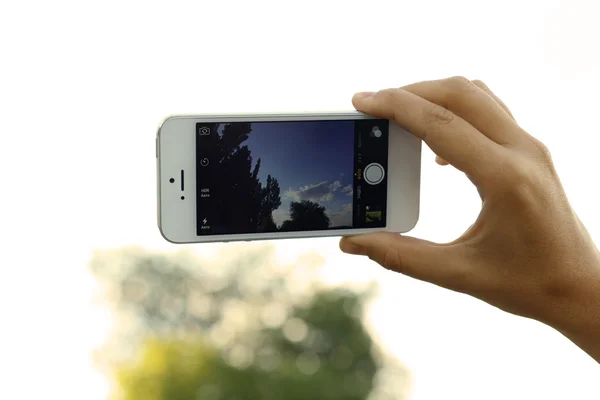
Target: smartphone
pixel 228 178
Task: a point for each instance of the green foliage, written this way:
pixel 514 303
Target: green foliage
pixel 331 361
pixel 234 331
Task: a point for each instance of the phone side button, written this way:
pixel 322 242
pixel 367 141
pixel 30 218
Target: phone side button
pixel 156 147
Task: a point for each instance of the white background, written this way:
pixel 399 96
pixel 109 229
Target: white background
pixel 83 86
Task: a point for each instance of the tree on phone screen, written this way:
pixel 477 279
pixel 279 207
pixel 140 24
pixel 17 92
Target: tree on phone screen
pixel 245 204
pixel 306 215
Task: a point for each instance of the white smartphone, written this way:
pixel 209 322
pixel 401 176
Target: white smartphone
pixel 228 178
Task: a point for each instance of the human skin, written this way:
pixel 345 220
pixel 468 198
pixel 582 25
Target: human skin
pixel 527 253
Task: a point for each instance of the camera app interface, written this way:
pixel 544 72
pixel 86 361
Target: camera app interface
pixel 256 177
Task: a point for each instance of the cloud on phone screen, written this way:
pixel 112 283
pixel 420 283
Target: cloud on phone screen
pixel 319 192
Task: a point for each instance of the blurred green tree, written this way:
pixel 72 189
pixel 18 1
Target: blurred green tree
pixel 237 330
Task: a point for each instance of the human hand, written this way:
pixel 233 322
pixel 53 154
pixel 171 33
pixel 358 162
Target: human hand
pixel 527 253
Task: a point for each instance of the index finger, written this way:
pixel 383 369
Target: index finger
pixel 448 135
pixel 472 103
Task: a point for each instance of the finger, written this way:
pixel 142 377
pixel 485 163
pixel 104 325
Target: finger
pixel 486 89
pixel 472 104
pixel 449 136
pixel 440 160
pixel 443 265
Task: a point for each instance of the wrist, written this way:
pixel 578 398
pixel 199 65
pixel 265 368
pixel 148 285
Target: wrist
pixel 577 316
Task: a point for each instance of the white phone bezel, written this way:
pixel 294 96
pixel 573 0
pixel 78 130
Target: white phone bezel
pixel 176 150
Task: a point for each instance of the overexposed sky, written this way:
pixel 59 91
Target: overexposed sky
pixel 83 86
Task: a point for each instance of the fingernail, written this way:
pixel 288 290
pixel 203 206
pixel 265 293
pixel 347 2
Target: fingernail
pixel 352 248
pixel 363 95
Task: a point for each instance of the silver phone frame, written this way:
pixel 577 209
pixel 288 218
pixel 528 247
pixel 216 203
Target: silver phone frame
pixel 404 168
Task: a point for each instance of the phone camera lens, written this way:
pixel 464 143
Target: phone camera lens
pixel 182 197
pixel 375 132
pixel 172 180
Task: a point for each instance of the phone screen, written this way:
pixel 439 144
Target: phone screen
pixel 283 176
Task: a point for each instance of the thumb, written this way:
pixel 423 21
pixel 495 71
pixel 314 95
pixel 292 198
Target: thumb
pixel 441 264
